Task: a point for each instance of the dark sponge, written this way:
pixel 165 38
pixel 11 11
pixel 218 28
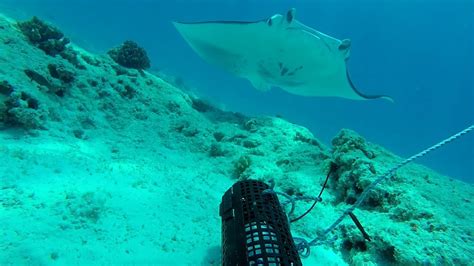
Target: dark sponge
pixel 130 55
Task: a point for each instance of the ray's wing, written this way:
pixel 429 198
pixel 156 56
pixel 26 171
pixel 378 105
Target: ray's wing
pixel 227 44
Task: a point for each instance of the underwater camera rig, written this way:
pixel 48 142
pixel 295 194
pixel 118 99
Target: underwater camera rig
pixel 255 229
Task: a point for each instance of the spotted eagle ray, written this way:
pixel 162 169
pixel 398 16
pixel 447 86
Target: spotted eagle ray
pixel 279 51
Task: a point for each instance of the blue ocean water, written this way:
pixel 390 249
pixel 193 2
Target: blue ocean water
pixel 419 52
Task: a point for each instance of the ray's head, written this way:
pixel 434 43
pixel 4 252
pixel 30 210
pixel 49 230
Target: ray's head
pixel 345 48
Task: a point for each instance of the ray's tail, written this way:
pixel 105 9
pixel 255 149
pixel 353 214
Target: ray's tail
pixel 365 96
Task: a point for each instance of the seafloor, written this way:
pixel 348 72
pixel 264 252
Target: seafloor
pixel 109 165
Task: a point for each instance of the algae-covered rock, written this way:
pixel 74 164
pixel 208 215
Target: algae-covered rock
pixel 5 88
pixel 81 210
pixel 61 73
pixel 21 109
pixel 43 81
pixel 71 56
pixel 356 169
pixel 241 165
pixel 46 37
pixel 216 150
pixel 401 212
pixel 130 55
